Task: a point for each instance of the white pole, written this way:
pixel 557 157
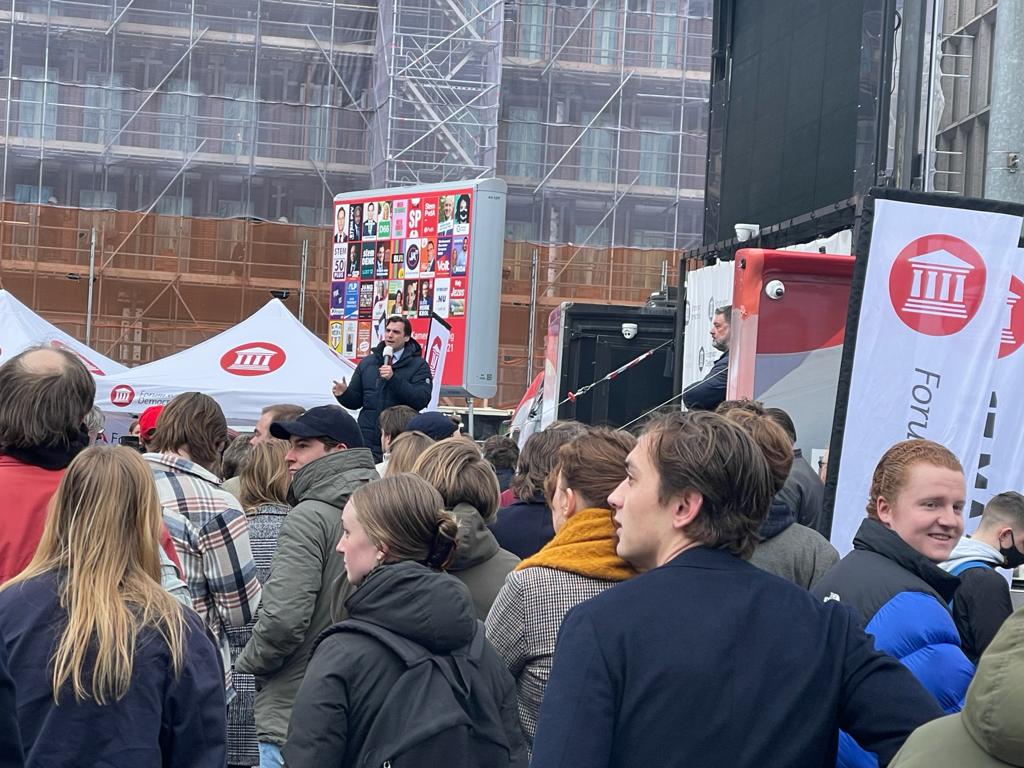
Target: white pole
pixel 302 279
pixel 92 279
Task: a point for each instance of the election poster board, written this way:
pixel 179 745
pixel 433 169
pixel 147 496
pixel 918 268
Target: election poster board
pixel 416 252
pixel 932 347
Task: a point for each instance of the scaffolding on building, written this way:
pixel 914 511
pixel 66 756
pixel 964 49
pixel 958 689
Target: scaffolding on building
pixel 436 88
pixel 205 139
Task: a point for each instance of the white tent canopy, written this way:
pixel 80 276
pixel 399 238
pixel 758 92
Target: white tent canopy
pixel 266 359
pixel 21 328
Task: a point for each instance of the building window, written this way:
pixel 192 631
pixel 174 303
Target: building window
pixel 600 237
pixel 520 230
pixel 237 132
pixel 656 158
pixel 309 216
pixel 102 107
pixel 664 47
pixel 606 35
pixel 531 30
pixel 597 151
pixel 34 121
pixel 523 152
pixel 643 238
pixel 30 193
pixel 90 198
pixel 177 118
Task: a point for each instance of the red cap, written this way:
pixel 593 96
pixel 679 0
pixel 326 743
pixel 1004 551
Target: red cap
pixel 147 421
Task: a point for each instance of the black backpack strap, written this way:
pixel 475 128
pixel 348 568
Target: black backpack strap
pixel 409 652
pixel 412 653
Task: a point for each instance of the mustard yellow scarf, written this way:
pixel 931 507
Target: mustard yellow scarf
pixel 584 546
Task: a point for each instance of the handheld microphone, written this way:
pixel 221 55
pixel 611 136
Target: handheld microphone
pixel 389 355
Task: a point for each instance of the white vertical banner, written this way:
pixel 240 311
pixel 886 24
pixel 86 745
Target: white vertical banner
pixel 1000 460
pixel 436 354
pixel 707 289
pixel 933 313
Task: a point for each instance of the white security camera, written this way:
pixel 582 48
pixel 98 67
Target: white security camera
pixel 746 231
pixel 775 289
pixel 629 330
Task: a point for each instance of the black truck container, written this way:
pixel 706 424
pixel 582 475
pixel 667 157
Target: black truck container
pixel 588 341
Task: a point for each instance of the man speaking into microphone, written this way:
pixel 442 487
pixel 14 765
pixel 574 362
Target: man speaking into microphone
pixel 394 373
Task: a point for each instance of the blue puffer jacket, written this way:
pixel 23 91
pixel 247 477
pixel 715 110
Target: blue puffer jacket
pixel 902 598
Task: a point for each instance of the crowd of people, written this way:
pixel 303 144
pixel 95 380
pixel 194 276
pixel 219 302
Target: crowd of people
pixel 324 591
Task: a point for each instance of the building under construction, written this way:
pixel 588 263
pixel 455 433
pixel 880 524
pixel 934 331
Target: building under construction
pixel 190 149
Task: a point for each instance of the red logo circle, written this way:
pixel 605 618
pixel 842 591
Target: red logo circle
pixel 937 284
pixel 257 358
pixel 1012 337
pixel 122 396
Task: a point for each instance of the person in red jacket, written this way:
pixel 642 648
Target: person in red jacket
pixel 45 394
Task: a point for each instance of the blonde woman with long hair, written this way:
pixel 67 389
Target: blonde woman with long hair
pixel 109 668
pixel 263 492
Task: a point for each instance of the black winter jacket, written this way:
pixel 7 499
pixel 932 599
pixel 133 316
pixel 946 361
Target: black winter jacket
pixel 902 599
pixel 524 527
pixel 371 394
pixel 708 393
pixel 980 606
pixel 350 674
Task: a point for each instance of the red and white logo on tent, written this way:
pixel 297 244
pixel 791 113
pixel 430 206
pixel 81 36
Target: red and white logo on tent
pixel 93 369
pixel 1012 337
pixel 254 359
pixel 122 395
pixel 937 284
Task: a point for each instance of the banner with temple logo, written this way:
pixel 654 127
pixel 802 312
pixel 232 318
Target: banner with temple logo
pixel 940 320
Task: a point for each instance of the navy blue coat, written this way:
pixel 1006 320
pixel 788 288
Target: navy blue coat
pixel 162 722
pixel 902 599
pixel 370 394
pixel 523 527
pixel 709 392
pixel 11 755
pixel 709 660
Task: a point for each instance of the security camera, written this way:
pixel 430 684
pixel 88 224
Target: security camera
pixel 629 330
pixel 746 231
pixel 775 289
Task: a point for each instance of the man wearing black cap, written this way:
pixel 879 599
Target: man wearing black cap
pixel 434 424
pixel 327 462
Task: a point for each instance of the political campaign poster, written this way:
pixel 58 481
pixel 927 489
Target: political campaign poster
pixel 424 251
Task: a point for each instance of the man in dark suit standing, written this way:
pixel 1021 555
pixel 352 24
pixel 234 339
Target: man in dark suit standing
pixel 706 394
pixel 704 659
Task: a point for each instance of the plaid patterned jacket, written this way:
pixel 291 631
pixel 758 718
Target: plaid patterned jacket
pixel 523 626
pixel 211 535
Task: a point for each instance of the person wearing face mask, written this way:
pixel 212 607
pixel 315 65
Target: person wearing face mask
pixel 982 603
pixel 892 578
